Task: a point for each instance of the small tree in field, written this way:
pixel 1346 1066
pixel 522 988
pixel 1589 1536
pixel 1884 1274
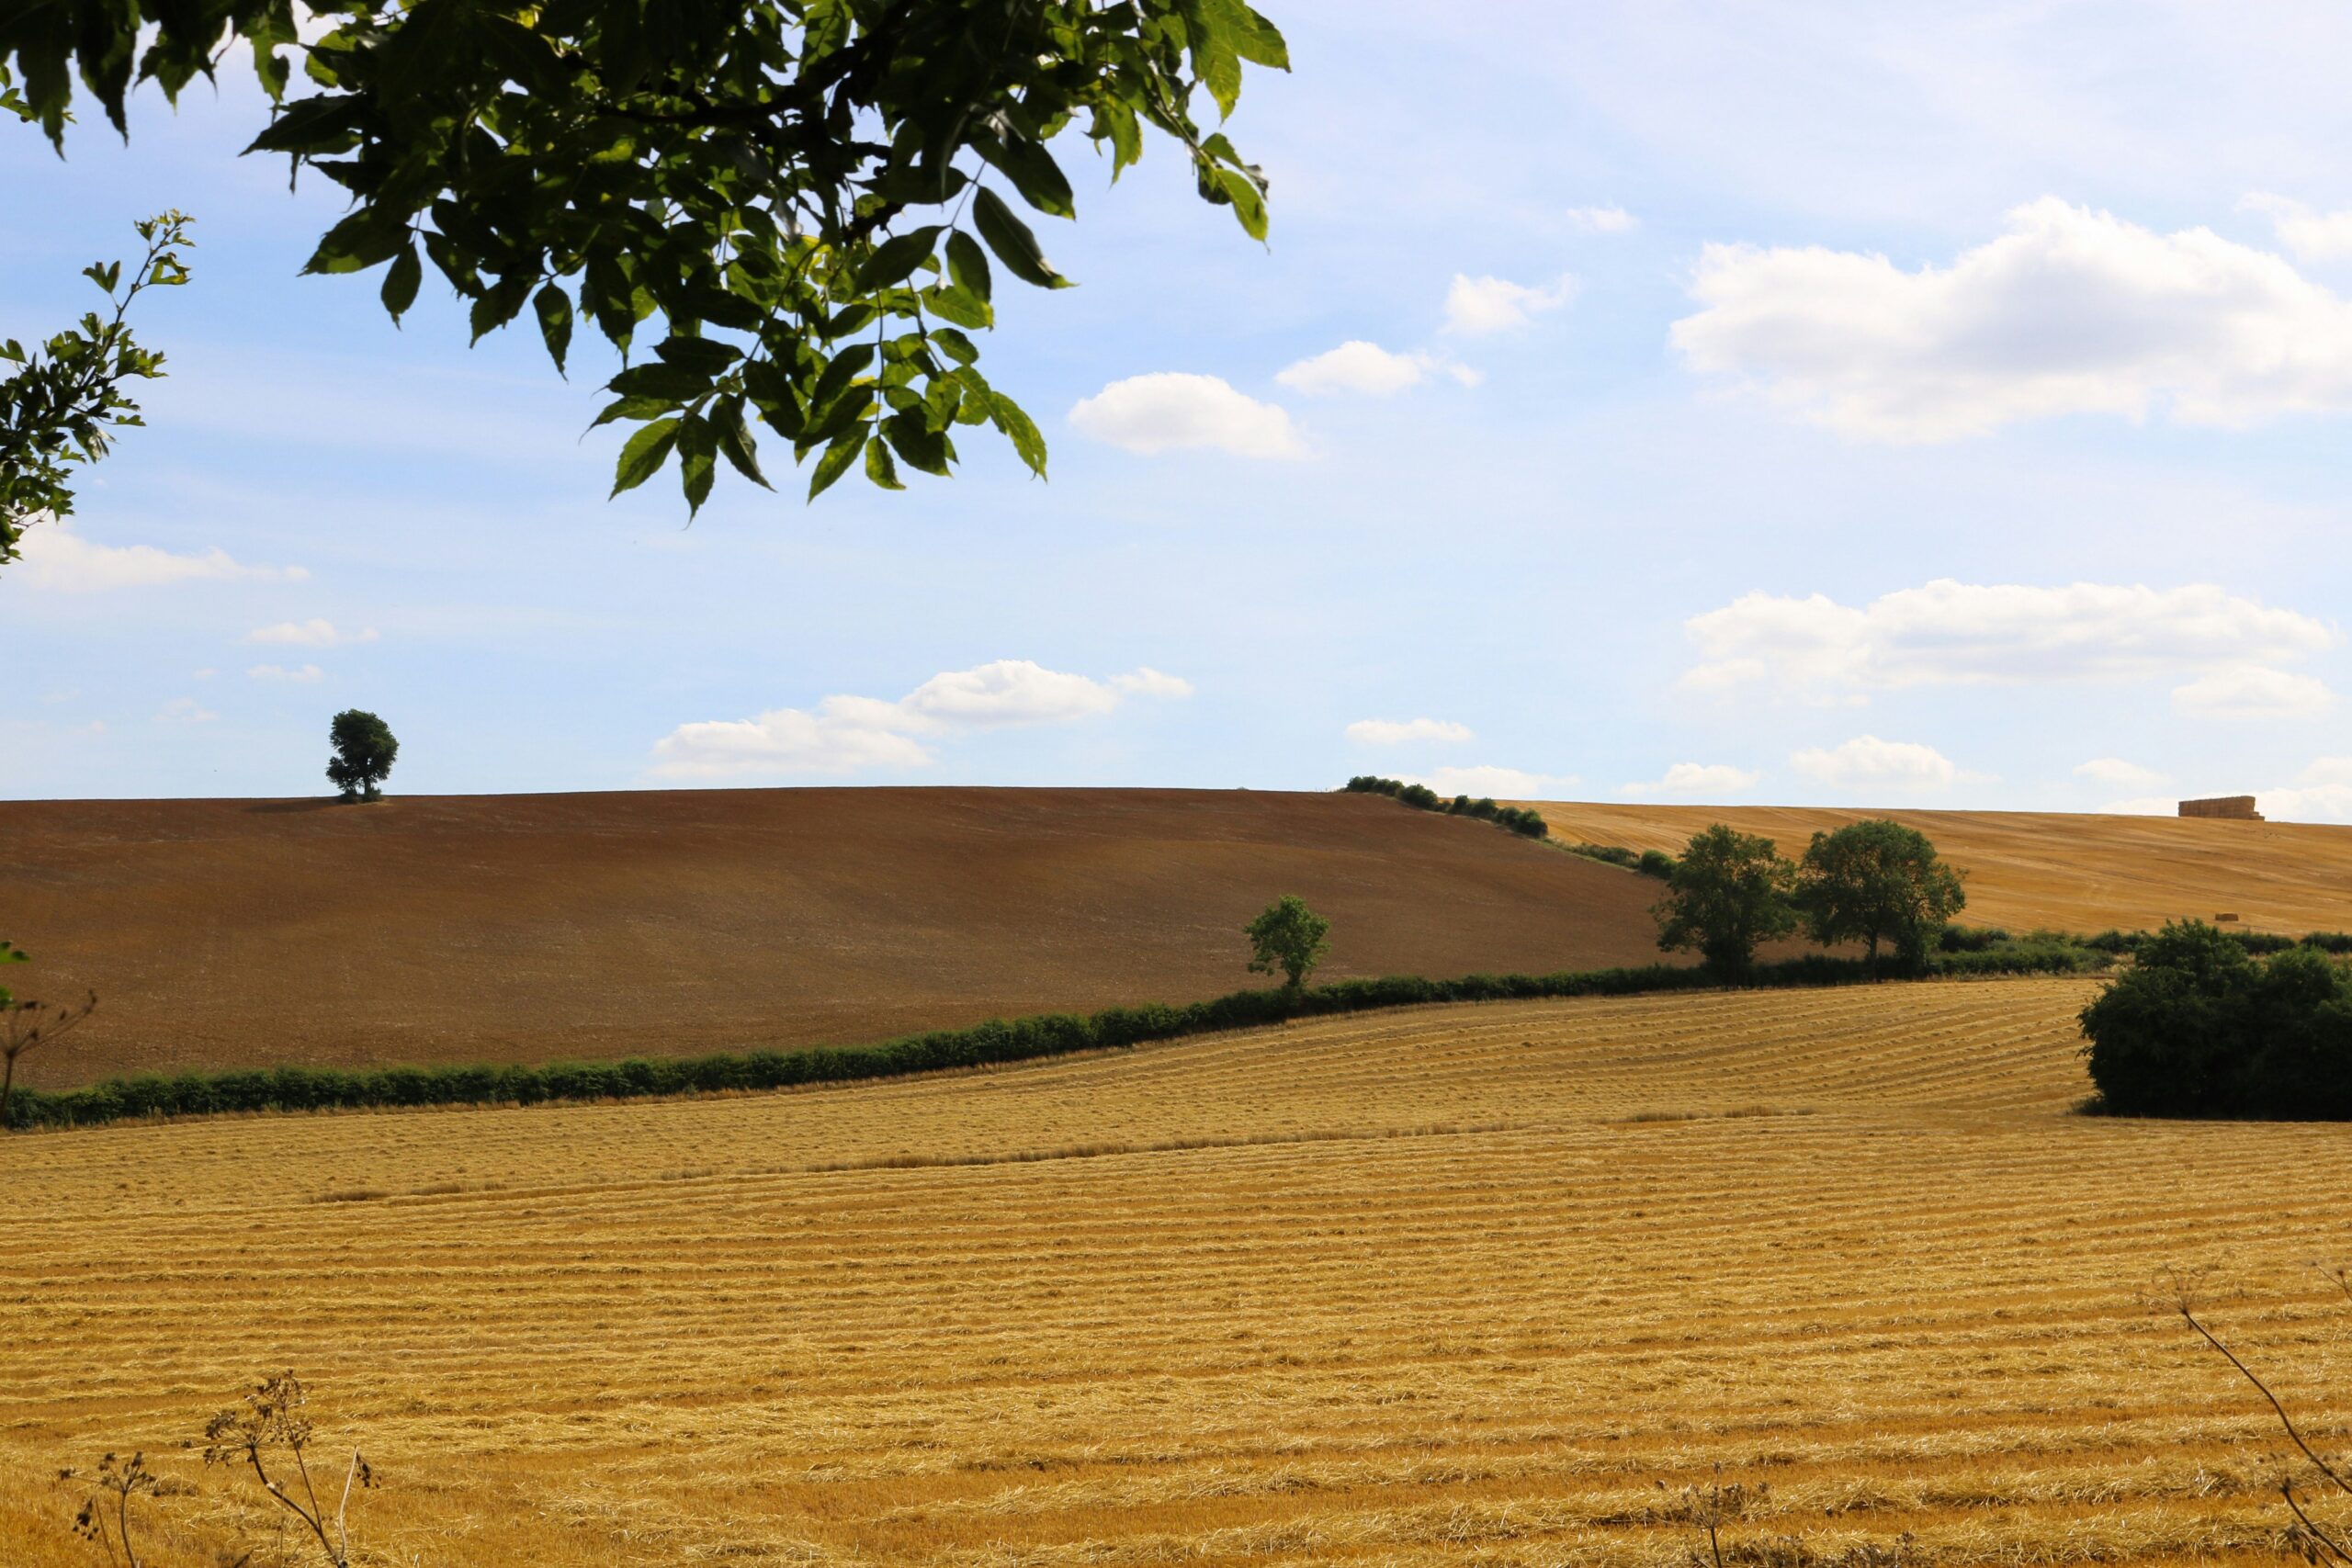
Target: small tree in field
pixel 1287 939
pixel 364 749
pixel 1876 881
pixel 26 1024
pixel 1728 892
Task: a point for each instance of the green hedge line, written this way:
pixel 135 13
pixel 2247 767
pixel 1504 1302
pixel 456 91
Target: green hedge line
pixel 1020 1039
pixel 1519 820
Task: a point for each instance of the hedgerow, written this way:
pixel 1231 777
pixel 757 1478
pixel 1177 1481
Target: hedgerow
pixel 1519 820
pixel 999 1040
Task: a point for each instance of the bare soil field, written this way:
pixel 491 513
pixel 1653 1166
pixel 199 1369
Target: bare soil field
pixel 527 927
pixel 2077 873
pixel 1434 1287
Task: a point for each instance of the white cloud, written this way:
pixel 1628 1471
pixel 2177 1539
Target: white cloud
pixel 309 634
pixel 1602 220
pixel 1145 682
pixel 1687 780
pixel 1866 763
pixel 2116 771
pixel 1502 783
pixel 57 557
pixel 853 734
pixel 2312 236
pixel 2069 311
pixel 1950 633
pixel 303 672
pixel 2251 692
pixel 184 710
pixel 1170 411
pixel 1397 732
pixel 1370 369
pixel 1474 305
pixel 2320 793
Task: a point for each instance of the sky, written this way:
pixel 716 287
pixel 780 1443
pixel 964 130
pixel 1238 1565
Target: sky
pixel 1885 405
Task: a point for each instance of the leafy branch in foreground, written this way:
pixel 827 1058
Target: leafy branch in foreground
pixel 64 400
pixel 803 197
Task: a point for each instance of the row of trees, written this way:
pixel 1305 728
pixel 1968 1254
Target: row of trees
pixel 1518 819
pixel 1878 883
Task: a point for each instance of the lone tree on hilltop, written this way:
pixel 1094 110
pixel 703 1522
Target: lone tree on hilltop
pixel 1287 939
pixel 1728 892
pixel 364 749
pixel 1874 882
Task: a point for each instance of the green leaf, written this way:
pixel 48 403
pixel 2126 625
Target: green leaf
pixel 705 356
pixel 920 445
pixel 844 368
pixel 698 461
pixel 1021 430
pixel 401 282
pixel 553 306
pixel 836 460
pixel 1248 201
pixel 644 455
pixel 735 440
pixel 1032 170
pixel 878 467
pixel 671 381
pixel 1014 245
pixel 326 124
pixel 895 259
pixel 959 347
pixel 960 306
pixel 967 265
pixel 360 241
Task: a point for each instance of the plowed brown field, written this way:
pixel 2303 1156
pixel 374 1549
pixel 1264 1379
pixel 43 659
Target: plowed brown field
pixel 246 934
pixel 2076 872
pixel 1435 1287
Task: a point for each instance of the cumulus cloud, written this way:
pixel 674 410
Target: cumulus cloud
pixel 1602 220
pixel 2251 692
pixel 2069 311
pixel 56 558
pixel 2312 236
pixel 854 734
pixel 303 672
pixel 1369 369
pixel 184 710
pixel 1398 732
pixel 1476 306
pixel 1170 411
pixel 1690 781
pixel 1502 783
pixel 1866 763
pixel 1950 633
pixel 1145 682
pixel 2320 793
pixel 309 634
pixel 2116 772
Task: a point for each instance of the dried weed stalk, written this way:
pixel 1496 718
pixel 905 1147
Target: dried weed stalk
pixel 268 1427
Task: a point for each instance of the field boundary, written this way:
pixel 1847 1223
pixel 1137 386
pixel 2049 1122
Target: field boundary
pixel 1029 1038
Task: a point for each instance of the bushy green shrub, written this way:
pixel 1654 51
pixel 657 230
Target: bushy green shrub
pixel 2200 1026
pixel 999 1040
pixel 1656 862
pixel 1611 854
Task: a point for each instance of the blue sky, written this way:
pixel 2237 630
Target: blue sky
pixel 1884 404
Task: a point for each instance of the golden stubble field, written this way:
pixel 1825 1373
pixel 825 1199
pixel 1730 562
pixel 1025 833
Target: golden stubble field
pixel 1441 1286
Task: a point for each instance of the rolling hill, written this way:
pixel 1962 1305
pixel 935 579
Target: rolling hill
pixel 243 932
pixel 2078 872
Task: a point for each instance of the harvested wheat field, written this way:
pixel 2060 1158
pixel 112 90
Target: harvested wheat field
pixel 1436 1286
pixel 2078 872
pixel 663 922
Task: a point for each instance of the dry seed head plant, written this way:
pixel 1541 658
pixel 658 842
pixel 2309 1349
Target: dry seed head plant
pixel 1441 1285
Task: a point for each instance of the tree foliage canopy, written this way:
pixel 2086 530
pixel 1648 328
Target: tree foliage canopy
pixel 1287 938
pixel 1727 894
pixel 64 400
pixel 364 754
pixel 2198 1027
pixel 1878 881
pixel 797 208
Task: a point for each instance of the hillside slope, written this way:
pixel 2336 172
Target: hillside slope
pixel 2077 872
pixel 234 932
